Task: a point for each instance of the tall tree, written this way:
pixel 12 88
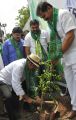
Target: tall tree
pixel 23 16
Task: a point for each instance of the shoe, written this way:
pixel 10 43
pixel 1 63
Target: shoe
pixel 71 115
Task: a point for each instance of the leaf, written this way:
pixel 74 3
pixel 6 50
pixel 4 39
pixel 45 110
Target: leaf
pixel 47 80
pixel 23 15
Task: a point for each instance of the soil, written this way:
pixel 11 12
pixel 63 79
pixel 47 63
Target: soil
pixel 62 108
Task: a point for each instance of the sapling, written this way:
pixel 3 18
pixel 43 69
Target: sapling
pixel 47 82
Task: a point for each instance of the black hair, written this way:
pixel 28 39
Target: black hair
pixel 42 7
pixel 17 30
pixel 33 22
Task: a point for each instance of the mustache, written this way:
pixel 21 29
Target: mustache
pixel 36 31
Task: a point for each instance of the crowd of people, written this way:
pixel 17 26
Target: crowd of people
pixel 22 53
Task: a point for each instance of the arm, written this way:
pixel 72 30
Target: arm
pixel 27 45
pixel 5 54
pixel 16 84
pixel 16 80
pixel 68 26
pixel 67 41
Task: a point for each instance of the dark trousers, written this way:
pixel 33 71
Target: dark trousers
pixel 11 101
pixel 10 109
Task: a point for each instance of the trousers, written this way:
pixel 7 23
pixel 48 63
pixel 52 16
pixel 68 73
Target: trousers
pixel 70 77
pixel 11 102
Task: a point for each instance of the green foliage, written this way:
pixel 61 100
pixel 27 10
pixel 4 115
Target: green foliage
pixel 47 80
pixel 23 16
pixel 7 36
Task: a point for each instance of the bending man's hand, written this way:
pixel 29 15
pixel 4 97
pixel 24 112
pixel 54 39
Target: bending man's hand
pixel 37 100
pixel 25 98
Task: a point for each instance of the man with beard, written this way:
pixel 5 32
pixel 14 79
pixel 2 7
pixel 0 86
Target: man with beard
pixel 36 41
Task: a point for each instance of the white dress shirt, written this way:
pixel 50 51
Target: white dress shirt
pixel 65 24
pixel 12 74
pixel 30 42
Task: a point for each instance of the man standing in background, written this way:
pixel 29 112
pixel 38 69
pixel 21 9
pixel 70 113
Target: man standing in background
pixel 13 47
pixel 36 41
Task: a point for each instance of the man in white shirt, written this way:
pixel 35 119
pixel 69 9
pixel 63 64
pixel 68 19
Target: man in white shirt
pixel 12 76
pixel 36 41
pixel 62 24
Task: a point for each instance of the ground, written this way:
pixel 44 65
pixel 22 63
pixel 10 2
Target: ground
pixel 63 107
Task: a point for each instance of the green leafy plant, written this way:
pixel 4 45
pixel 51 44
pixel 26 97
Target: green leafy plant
pixel 48 82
